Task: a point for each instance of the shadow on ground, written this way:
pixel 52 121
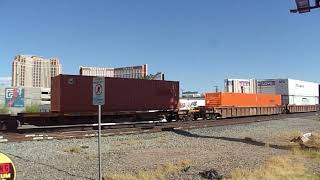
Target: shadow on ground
pixel 50 166
pixel 245 140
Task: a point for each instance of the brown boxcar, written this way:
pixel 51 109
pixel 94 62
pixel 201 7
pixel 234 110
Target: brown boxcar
pixel 241 100
pixel 73 93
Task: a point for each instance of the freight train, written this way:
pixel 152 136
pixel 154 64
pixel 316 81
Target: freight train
pixel 129 100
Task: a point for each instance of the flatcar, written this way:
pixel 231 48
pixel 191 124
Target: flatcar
pixel 132 100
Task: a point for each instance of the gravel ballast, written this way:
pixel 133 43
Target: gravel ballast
pixel 221 148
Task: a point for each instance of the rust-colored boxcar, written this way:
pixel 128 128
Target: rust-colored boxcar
pixel 73 94
pixel 241 100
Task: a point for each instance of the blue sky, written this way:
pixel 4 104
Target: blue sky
pixel 199 43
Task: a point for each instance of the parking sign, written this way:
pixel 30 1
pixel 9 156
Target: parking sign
pixel 98 91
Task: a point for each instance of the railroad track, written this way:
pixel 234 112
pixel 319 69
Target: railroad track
pixel 86 131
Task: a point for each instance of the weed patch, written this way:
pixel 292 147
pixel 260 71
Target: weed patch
pixel 72 150
pixel 160 173
pixel 279 167
pixel 291 166
pixel 32 108
pixel 4 109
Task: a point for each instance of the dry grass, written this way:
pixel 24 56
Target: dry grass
pixel 279 167
pixel 317 118
pixel 314 141
pixel 90 156
pixel 129 142
pixel 290 166
pixel 162 140
pixel 286 137
pixel 308 153
pixel 72 150
pixel 160 173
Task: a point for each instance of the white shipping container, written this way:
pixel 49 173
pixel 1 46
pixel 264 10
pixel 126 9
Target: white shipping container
pixel 188 104
pixel 303 88
pixel 303 100
pixel 240 85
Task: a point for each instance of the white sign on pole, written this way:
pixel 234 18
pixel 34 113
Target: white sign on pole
pixel 98 91
pixel 98 99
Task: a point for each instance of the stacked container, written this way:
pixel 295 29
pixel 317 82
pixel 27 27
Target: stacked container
pixel 240 85
pixel 293 92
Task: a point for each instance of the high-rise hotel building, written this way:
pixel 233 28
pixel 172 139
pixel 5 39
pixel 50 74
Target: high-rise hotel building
pixel 135 72
pixel 34 71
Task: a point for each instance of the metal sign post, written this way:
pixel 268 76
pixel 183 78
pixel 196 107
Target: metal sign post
pixel 98 99
pixel 99 143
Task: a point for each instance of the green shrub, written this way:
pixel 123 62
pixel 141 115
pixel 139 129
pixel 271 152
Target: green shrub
pixel 32 108
pixel 4 109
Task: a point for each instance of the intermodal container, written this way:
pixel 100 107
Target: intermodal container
pixel 221 99
pixel 73 93
pixel 190 103
pixel 294 92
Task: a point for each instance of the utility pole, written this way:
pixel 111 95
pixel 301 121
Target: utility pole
pixel 217 88
pixel 182 90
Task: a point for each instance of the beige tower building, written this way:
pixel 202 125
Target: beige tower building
pixel 135 72
pixel 34 71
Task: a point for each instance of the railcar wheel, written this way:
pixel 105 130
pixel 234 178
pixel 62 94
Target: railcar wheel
pixel 3 126
pixel 9 126
pixel 211 117
pixel 168 118
pixel 188 117
pixel 12 125
pixel 286 111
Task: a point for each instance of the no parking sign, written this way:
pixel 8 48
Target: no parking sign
pixel 98 99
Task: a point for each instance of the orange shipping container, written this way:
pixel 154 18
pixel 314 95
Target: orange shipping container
pixel 241 100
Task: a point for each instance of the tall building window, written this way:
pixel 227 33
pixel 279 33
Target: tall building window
pixel 34 71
